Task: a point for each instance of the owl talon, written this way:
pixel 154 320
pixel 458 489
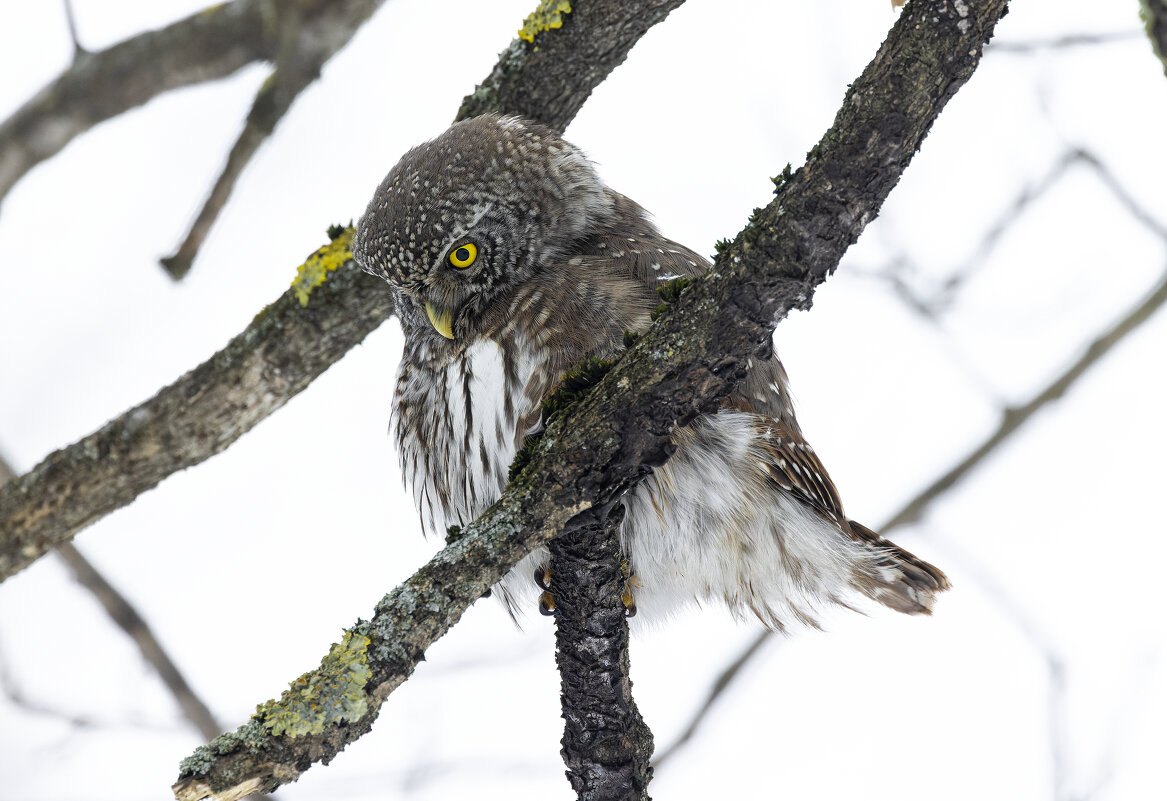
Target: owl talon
pixel 629 602
pixel 630 584
pixel 547 604
pixel 543 577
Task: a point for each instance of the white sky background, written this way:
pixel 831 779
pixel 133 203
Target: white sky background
pixel 249 565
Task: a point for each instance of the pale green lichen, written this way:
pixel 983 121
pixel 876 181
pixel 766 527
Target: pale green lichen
pixel 548 15
pixel 315 269
pixel 333 692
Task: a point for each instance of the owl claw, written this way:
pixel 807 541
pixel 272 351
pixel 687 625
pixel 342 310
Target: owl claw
pixel 630 583
pixel 547 600
pixel 629 602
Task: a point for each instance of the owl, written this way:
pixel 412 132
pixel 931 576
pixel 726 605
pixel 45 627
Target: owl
pixel 511 261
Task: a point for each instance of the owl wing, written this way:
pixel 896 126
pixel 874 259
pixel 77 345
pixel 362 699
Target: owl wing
pixel 650 257
pixel 907 583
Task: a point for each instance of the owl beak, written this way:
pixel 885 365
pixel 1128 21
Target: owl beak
pixel 441 319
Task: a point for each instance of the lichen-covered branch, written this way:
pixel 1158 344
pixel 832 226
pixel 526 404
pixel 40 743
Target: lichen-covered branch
pixel 277 356
pixel 693 356
pixel 548 78
pixel 205 46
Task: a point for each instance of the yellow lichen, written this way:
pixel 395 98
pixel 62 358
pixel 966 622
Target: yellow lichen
pixel 314 271
pixel 333 692
pixel 548 15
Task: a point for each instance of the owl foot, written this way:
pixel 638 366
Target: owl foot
pixel 547 600
pixel 626 595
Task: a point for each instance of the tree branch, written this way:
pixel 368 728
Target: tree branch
pixel 693 356
pixel 302 53
pixel 284 349
pixel 205 46
pixel 606 745
pixel 123 613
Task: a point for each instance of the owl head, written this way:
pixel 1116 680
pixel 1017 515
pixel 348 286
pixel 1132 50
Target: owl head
pixel 475 212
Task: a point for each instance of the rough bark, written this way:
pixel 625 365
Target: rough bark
pixel 549 79
pixel 692 357
pixel 261 369
pixel 210 44
pixel 606 745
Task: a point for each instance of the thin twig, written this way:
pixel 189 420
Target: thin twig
pixel 71 20
pixel 1062 42
pixel 301 55
pixel 129 620
pixel 1013 418
pixel 720 684
pixel 132 623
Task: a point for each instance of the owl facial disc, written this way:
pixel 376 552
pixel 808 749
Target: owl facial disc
pixel 441 319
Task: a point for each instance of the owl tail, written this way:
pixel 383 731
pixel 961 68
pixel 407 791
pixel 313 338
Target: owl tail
pixel 899 580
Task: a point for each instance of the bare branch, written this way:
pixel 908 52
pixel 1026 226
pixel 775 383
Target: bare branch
pixel 549 82
pixel 720 684
pixel 205 46
pixel 1061 42
pixel 302 53
pixel 1013 418
pixel 284 349
pixel 132 623
pixel 693 356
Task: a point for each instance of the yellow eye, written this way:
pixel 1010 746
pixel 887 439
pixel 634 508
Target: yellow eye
pixel 464 256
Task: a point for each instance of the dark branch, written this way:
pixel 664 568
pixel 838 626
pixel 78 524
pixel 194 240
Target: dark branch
pixel 606 744
pixel 277 356
pixel 693 356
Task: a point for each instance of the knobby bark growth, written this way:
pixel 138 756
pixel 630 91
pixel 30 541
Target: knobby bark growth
pixel 606 745
pixel 693 357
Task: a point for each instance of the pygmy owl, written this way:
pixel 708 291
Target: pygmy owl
pixel 511 262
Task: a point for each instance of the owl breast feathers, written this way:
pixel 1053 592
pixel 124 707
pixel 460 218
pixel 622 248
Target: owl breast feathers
pixel 511 262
